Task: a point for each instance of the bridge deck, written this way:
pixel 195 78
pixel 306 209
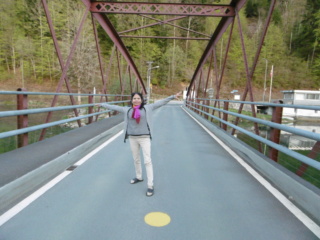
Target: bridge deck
pixel 206 193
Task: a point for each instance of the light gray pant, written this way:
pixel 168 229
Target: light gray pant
pixel 143 142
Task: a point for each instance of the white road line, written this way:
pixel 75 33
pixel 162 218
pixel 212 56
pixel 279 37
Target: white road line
pixel 89 155
pixel 28 200
pixel 308 222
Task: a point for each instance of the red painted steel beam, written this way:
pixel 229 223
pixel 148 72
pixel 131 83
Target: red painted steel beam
pixel 62 65
pixel 119 72
pixel 275 133
pixel 249 79
pixel 181 38
pixel 98 51
pixel 257 55
pixel 153 24
pixel 221 28
pixel 174 25
pixel 22 120
pixel 163 9
pixel 164 22
pixel 110 30
pixel 108 27
pixel 208 76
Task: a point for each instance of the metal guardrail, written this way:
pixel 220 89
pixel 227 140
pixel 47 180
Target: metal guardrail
pixel 208 109
pixel 51 109
pixel 46 125
pixel 200 106
pixel 58 94
pixel 22 114
pixel 316 108
pixel 311 135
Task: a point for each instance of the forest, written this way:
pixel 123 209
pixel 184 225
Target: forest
pixel 28 57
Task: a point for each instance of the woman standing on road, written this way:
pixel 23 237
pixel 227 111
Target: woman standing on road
pixel 138 128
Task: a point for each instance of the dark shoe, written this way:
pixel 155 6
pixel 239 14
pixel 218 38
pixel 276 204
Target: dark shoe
pixel 136 180
pixel 150 192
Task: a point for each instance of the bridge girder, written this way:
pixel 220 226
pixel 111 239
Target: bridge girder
pixel 227 13
pixel 208 10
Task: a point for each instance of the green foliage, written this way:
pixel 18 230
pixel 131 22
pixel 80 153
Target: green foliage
pixel 251 9
pixel 276 17
pixel 316 65
pixel 27 52
pixel 256 8
pixel 306 33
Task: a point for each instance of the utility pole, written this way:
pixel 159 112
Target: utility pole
pixel 271 75
pixel 149 79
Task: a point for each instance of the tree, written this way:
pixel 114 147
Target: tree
pixel 27 53
pixel 316 66
pixel 251 9
pixel 304 35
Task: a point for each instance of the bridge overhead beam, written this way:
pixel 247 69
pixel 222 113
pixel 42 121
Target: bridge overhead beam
pixel 161 37
pixel 163 9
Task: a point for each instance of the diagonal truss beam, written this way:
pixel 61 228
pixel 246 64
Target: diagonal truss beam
pixel 110 30
pixel 163 9
pixel 108 27
pixel 161 37
pixel 174 25
pixel 221 28
pixel 153 24
pixel 64 67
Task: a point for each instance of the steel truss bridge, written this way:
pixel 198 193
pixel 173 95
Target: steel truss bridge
pixel 222 169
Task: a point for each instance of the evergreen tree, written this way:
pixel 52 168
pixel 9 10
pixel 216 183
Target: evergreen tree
pixel 304 37
pixel 27 52
pixel 316 66
pixel 251 9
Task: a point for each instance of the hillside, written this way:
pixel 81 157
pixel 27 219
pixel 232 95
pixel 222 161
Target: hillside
pixel 28 57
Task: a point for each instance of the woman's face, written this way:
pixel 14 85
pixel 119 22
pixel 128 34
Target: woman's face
pixel 136 100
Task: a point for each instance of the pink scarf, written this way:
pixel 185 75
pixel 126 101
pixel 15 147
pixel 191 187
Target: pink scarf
pixel 136 113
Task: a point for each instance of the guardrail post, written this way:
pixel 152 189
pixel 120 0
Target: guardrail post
pixel 207 103
pixel 225 115
pixel 191 104
pixel 22 120
pixel 197 106
pixel 90 109
pixel 275 133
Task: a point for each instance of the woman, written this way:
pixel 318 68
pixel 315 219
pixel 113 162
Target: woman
pixel 138 128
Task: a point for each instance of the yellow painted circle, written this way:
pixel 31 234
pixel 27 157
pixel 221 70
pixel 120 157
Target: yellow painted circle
pixel 157 219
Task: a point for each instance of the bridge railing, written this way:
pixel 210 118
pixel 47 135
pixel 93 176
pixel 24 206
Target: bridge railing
pixel 268 128
pixel 25 117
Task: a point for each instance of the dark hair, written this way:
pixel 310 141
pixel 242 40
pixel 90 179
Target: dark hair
pixel 141 96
